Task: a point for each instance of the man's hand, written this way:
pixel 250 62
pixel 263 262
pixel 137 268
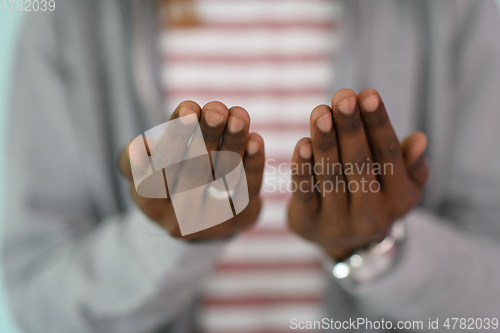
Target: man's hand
pixel 223 129
pixel 368 179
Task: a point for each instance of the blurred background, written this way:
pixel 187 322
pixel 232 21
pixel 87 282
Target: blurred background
pixel 9 28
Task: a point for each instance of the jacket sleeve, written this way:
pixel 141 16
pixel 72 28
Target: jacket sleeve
pixel 450 264
pixel 67 270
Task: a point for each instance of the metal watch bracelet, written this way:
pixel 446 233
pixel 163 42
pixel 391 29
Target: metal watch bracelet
pixel 368 265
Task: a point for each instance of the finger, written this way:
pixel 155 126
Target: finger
pixel 212 123
pixel 355 152
pixel 173 142
pixel 304 205
pixel 181 137
pixel 413 148
pixel 124 163
pixel 327 168
pixel 235 139
pixel 130 157
pixel 185 109
pixel 254 163
pixel 236 133
pixel 384 143
pixel 229 166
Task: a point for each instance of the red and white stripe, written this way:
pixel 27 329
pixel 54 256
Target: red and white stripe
pixel 276 59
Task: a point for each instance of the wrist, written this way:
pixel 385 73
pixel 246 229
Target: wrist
pixel 370 264
pixel 342 250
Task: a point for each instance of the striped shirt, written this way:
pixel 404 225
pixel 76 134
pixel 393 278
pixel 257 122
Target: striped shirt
pixel 276 59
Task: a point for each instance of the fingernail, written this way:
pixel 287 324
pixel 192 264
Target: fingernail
pixel 235 124
pixel 305 152
pixel 325 123
pixel 187 116
pixel 347 106
pixel 213 119
pixel 253 147
pixel 371 103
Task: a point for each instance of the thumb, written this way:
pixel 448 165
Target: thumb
pixel 413 148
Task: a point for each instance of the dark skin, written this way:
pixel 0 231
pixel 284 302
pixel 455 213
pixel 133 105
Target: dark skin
pixel 356 129
pixel 216 122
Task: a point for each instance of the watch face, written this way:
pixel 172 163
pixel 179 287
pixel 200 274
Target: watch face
pixel 341 270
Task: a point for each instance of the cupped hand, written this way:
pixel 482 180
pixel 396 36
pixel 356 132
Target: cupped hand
pixel 223 129
pixel 353 178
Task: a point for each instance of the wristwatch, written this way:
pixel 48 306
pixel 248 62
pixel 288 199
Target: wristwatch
pixel 368 265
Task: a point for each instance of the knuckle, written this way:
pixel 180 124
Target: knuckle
pixel 234 142
pixel 376 120
pixel 326 144
pixel 362 159
pixel 350 126
pixel 211 136
pixel 234 145
pixel 332 184
pixel 391 150
pixel 304 196
pixel 360 165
